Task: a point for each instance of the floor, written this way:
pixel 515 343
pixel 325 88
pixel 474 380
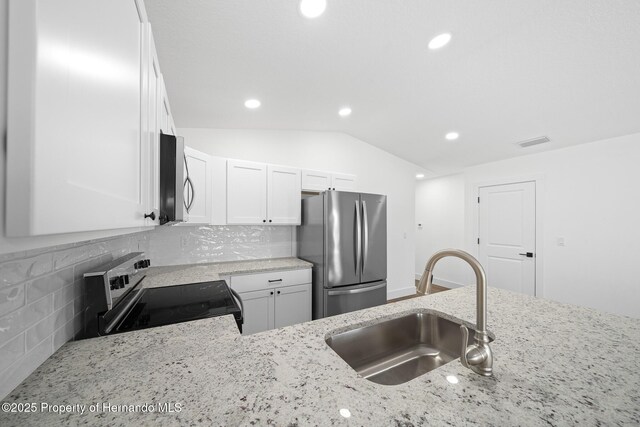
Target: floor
pixel 434 290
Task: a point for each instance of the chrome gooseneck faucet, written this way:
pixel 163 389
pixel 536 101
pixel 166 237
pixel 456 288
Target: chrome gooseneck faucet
pixel 477 357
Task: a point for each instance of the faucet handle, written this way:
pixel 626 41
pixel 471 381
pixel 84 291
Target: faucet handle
pixel 464 345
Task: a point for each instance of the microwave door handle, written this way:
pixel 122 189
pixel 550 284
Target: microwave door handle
pixel 190 189
pixel 358 237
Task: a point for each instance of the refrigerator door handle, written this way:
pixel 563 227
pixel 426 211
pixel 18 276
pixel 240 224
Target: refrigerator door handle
pixel 357 291
pixel 358 237
pixel 365 234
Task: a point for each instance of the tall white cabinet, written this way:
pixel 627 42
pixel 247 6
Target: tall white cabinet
pixel 77 156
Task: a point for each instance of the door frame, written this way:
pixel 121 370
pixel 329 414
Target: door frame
pixel 474 219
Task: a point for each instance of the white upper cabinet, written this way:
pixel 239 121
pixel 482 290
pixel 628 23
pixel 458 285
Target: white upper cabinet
pixel 166 120
pixel 283 195
pixel 198 193
pixel 262 194
pixel 77 153
pixel 313 180
pixel 246 192
pixel 316 180
pixel 343 182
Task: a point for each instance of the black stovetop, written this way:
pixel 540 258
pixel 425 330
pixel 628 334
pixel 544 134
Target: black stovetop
pixel 180 303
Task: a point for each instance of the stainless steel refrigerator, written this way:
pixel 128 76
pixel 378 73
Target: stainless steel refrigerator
pixel 344 235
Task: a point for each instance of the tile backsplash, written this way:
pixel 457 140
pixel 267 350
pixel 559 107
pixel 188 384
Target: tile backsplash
pixel 197 244
pixel 40 289
pixel 40 300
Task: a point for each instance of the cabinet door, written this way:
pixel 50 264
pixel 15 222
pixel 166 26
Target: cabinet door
pixel 315 180
pixel 258 311
pixel 219 190
pixel 76 159
pixel 164 110
pixel 292 305
pixel 246 192
pixel 197 187
pixel 283 195
pixel 155 94
pixel 343 182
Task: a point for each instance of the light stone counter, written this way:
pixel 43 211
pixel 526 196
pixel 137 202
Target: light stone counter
pixel 554 365
pixel 193 273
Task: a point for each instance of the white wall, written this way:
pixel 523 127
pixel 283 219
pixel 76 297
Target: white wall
pixel 440 223
pixel 591 197
pixel 377 171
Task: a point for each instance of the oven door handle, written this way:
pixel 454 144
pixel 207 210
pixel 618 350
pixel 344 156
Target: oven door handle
pixel 357 291
pixel 237 297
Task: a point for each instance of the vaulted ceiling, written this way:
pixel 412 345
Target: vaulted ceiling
pixel 514 70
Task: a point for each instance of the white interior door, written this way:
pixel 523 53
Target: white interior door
pixel 507 244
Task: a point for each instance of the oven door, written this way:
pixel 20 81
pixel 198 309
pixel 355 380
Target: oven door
pixel 352 298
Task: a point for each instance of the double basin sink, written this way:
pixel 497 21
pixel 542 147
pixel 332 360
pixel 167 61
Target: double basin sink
pixel 398 350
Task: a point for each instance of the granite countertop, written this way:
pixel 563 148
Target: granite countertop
pixel 554 364
pixel 193 273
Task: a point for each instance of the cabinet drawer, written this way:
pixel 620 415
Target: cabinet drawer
pixel 272 279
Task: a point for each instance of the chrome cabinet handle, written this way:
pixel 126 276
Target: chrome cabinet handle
pixel 358 237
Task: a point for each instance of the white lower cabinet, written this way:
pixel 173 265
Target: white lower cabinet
pixel 259 311
pixel 274 300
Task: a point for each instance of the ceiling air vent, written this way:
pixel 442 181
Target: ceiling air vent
pixel 534 141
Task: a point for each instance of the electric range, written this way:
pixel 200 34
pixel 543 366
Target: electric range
pixel 115 300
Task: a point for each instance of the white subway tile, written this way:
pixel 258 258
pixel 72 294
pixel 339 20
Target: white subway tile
pixel 48 284
pixel 63 334
pixel 11 299
pixel 11 351
pixel 11 377
pixel 19 320
pixel 14 272
pixel 39 332
pixel 63 297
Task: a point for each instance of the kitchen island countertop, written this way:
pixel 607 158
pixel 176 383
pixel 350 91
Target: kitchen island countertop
pixel 555 364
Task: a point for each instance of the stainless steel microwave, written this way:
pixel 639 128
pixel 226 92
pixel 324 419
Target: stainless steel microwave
pixel 171 179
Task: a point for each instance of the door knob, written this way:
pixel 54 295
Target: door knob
pixel 527 254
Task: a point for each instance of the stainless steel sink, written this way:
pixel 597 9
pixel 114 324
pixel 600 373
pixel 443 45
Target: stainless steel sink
pixel 398 350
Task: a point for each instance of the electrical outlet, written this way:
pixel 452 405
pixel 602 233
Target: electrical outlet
pixel 184 241
pixel 560 241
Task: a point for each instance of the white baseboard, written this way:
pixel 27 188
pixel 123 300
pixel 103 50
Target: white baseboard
pixel 443 282
pixel 402 292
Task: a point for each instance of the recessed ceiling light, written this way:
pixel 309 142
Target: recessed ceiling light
pixel 419 175
pixel 452 136
pixel 439 41
pixel 345 111
pixel 252 103
pixel 312 8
